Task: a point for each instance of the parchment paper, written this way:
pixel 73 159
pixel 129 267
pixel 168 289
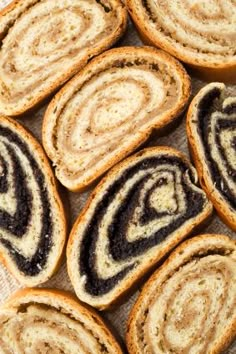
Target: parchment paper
pixel 75 201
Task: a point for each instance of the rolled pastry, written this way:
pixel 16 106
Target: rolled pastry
pixel 211 129
pixel 188 305
pixel 32 221
pixel 201 33
pixel 52 321
pixel 140 211
pixel 43 43
pixel 109 109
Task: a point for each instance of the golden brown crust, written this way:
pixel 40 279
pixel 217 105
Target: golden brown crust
pixel 130 341
pixel 65 298
pixel 132 283
pixel 225 72
pixel 223 209
pixel 143 134
pixel 67 74
pixel 29 138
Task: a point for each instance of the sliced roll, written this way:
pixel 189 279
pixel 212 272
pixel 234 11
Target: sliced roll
pixel 141 210
pixel 211 128
pixel 45 42
pixel 200 33
pixel 109 109
pixel 51 321
pixel 32 221
pixel 188 305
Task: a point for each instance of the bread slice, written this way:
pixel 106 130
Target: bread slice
pixel 211 129
pixel 52 321
pixel 188 305
pixel 45 42
pixel 109 109
pixel 140 211
pixel 32 221
pixel 199 33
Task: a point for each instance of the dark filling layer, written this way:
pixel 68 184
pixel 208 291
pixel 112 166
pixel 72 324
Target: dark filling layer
pixel 205 110
pixel 18 223
pixel 119 248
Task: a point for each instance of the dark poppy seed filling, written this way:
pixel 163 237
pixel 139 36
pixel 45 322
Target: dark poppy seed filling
pixel 213 125
pixel 151 175
pixel 17 224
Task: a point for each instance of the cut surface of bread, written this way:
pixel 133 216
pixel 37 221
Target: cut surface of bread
pixel 109 109
pixel 32 221
pixel 211 129
pixel 51 322
pixel 141 210
pixel 200 33
pixel 45 42
pixel 188 305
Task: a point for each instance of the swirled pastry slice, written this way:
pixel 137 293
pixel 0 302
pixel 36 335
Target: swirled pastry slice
pixel 188 305
pixel 141 210
pixel 45 42
pixel 201 33
pixel 32 222
pixel 49 321
pixel 211 128
pixel 109 109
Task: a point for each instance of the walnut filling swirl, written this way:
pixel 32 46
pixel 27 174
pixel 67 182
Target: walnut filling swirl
pixel 49 41
pixel 111 106
pixel 197 31
pixel 131 221
pixel 52 324
pixel 190 303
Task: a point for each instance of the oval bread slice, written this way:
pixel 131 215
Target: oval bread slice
pixel 32 220
pixel 52 321
pixel 45 42
pixel 188 305
pixel 109 109
pixel 140 211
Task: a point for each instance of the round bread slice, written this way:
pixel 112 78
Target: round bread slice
pixel 140 211
pixel 32 221
pixel 109 109
pixel 200 33
pixel 211 129
pixel 44 43
pixel 188 305
pixel 52 321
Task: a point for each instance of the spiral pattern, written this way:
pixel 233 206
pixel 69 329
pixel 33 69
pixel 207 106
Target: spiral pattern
pixel 32 225
pixel 109 109
pixel 44 321
pixel 200 32
pixel 136 215
pixel 188 306
pixel 45 42
pixel 212 129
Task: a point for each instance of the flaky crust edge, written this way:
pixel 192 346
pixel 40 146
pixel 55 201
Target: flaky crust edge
pixel 210 72
pixel 65 298
pixel 144 134
pixel 31 141
pixel 132 283
pixel 131 344
pixel 227 215
pixel 40 98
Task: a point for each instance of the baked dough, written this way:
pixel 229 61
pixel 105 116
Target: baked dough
pixel 211 129
pixel 140 211
pixel 201 33
pixel 45 42
pixel 188 305
pixel 109 109
pixel 32 221
pixel 52 322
